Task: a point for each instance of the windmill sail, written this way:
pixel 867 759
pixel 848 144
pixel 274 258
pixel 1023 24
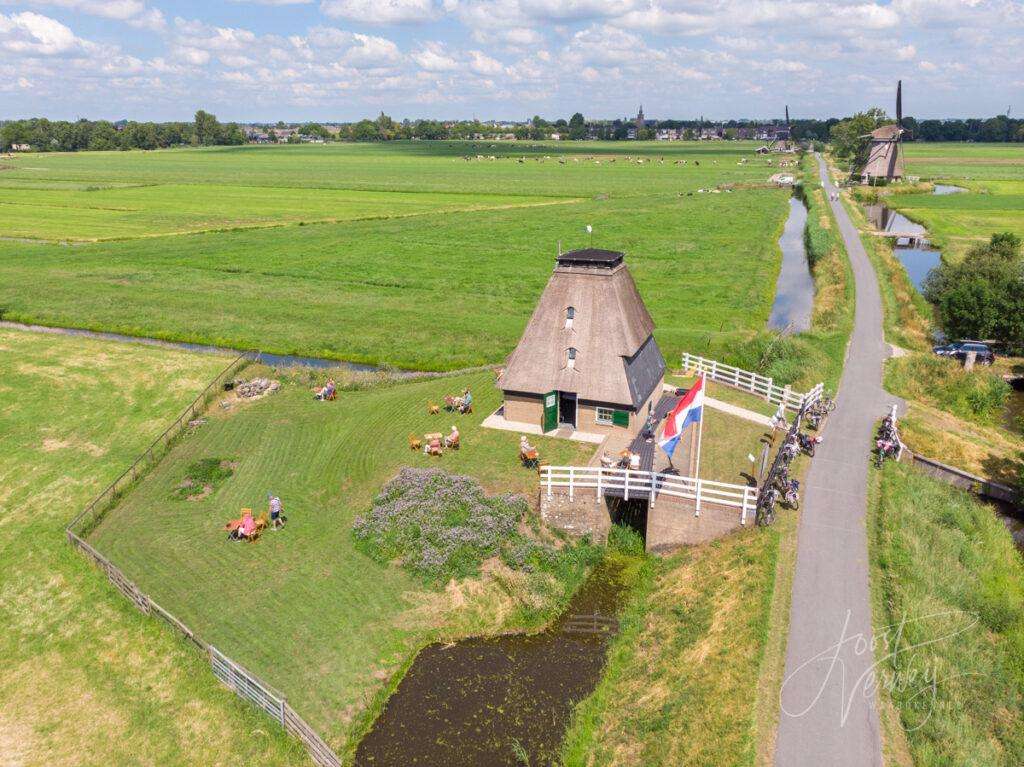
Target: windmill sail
pixel 895 169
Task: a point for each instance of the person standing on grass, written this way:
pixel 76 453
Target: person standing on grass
pixel 276 509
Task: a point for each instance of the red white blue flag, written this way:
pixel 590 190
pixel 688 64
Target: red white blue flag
pixel 688 411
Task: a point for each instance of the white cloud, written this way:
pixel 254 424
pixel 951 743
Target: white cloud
pixel 483 64
pixel 906 52
pixel 368 52
pixel 134 12
pixel 33 33
pixel 382 11
pixel 433 57
pixel 190 55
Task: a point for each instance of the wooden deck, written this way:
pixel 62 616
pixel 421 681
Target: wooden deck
pixel 645 447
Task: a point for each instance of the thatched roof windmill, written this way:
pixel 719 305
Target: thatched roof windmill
pixel 587 358
pixel 885 158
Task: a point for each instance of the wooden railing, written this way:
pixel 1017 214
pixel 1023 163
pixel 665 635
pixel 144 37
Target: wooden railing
pixel 648 485
pixel 754 383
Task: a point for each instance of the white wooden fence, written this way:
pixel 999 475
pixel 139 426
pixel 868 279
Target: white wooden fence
pixel 648 484
pixel 754 383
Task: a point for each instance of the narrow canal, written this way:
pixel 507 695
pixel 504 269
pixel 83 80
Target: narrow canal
pixel 916 255
pixel 274 360
pixel 505 700
pixel 794 289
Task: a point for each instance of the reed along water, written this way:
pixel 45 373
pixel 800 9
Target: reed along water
pixel 507 700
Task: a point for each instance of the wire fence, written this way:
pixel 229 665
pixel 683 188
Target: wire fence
pixel 233 675
pixel 90 516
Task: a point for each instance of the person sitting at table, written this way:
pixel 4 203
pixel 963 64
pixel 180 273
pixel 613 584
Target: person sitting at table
pixel 327 392
pixel 524 445
pixel 452 440
pixel 241 528
pixel 433 446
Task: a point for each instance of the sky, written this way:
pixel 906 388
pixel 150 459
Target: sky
pixel 342 60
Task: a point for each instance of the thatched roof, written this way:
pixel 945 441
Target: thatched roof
pixel 617 360
pixel 885 133
pixel 884 159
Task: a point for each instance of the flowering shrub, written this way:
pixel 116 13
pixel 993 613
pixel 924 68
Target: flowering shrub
pixel 442 525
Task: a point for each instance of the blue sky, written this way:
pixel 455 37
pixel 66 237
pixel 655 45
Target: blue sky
pixel 507 59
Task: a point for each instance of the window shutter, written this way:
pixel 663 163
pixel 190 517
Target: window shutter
pixel 621 418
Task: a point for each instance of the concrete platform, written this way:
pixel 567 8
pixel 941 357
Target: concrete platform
pixel 496 421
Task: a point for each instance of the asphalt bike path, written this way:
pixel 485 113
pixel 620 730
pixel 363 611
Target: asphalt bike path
pixel 828 712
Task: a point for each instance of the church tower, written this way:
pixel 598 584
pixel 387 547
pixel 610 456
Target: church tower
pixel 639 120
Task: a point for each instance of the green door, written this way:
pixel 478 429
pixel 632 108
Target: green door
pixel 621 418
pixel 550 411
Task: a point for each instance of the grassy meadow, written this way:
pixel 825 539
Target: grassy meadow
pixel 948 589
pixel 86 678
pixel 303 608
pixel 439 268
pixel 994 176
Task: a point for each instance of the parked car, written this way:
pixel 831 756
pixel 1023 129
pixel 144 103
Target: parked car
pixel 959 350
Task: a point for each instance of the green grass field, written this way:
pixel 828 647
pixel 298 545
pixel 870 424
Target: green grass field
pixel 948 588
pixel 149 211
pixel 303 608
pixel 86 678
pixel 994 174
pixel 441 289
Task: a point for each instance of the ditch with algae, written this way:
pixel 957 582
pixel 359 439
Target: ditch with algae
pixel 504 700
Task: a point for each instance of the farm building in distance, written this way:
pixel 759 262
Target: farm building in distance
pixel 587 359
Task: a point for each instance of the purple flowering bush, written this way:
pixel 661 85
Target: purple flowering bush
pixel 441 526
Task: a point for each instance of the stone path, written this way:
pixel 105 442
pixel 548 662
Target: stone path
pixel 739 412
pixel 828 711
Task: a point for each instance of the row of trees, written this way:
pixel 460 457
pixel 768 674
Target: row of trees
pixel 982 296
pixel 56 135
pixel 995 129
pixel 44 135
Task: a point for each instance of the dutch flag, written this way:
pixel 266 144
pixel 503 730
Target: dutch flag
pixel 687 412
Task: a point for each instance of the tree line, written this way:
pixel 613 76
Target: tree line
pixel 44 135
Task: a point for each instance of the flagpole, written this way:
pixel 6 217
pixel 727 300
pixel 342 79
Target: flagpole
pixel 700 433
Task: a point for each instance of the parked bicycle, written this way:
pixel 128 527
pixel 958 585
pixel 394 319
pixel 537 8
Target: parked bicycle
pixel 765 514
pixel 887 443
pixel 808 443
pixel 791 495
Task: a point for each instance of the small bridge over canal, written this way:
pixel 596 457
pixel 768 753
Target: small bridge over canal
pixel 678 510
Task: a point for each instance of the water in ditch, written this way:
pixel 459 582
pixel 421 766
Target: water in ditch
pixel 794 290
pixel 916 255
pixel 505 700
pixel 943 189
pixel 274 360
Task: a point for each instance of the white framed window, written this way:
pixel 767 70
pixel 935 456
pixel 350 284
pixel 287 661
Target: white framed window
pixel 605 416
pixel 570 361
pixel 570 315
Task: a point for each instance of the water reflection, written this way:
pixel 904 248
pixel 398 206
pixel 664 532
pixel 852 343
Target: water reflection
pixel 947 189
pixel 912 249
pixel 794 290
